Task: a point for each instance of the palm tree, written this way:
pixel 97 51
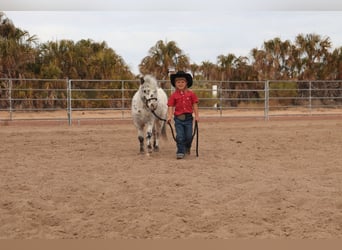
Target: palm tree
pixel 242 70
pixel 17 49
pixel 313 52
pixel 335 67
pixel 260 63
pixel 57 59
pixel 84 59
pixel 208 70
pixel 225 64
pixel 161 57
pixel 194 69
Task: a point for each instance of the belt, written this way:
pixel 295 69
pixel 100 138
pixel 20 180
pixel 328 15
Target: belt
pixel 184 116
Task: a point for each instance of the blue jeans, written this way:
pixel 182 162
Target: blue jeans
pixel 184 134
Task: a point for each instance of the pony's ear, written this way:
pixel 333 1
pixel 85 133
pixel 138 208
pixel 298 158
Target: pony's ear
pixel 142 80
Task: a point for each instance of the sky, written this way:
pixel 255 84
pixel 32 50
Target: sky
pixel 202 29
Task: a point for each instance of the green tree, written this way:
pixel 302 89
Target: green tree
pixel 84 59
pixel 17 49
pixel 260 63
pixel 163 56
pixel 313 52
pixel 335 67
pixel 271 62
pixel 225 65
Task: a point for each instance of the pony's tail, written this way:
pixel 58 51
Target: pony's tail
pixel 163 131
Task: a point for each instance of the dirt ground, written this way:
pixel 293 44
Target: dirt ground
pixel 253 179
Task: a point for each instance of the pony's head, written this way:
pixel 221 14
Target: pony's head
pixel 149 91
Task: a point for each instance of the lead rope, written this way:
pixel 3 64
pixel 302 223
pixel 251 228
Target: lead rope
pixel 197 135
pixel 195 132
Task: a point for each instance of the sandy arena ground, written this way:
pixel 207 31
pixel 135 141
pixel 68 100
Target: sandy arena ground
pixel 252 180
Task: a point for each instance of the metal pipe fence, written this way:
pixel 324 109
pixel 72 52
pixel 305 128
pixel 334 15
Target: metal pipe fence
pixel 75 100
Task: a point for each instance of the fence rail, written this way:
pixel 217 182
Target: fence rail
pixel 70 99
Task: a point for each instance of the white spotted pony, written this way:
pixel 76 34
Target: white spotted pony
pixel 149 110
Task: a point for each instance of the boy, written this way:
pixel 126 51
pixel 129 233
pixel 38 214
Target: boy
pixel 182 103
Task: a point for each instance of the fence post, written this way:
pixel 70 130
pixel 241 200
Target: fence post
pixel 267 100
pixel 69 106
pixel 10 99
pixel 310 98
pixel 220 102
pixel 122 99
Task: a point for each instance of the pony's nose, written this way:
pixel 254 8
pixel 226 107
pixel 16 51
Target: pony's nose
pixel 153 106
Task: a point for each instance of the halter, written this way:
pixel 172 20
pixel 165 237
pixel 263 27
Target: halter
pixel 150 99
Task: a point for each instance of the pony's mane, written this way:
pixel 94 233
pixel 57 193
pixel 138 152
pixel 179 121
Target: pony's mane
pixel 152 80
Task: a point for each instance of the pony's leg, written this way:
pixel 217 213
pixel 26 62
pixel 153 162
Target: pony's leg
pixel 156 139
pixel 141 141
pixel 148 141
pixel 149 134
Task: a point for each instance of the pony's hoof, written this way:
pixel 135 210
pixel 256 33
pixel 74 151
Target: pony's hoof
pixel 156 149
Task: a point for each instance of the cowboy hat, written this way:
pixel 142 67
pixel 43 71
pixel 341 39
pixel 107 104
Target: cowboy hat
pixel 181 74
